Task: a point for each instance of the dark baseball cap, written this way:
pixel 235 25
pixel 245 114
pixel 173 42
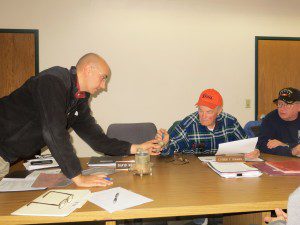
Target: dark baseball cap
pixel 288 95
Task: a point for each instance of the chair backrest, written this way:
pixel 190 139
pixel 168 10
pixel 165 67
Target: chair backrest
pixel 252 128
pixel 135 133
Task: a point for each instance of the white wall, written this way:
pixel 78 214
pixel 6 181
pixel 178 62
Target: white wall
pixel 162 53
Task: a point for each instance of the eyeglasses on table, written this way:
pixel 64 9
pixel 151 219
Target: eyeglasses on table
pixel 61 204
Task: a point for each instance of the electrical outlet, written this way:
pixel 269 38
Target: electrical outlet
pixel 248 103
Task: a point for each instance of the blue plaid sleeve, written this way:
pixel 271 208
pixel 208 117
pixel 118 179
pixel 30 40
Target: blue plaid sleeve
pixel 178 141
pixel 238 132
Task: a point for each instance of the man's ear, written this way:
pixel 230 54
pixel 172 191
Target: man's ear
pixel 87 69
pixel 220 109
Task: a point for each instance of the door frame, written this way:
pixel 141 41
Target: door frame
pixel 257 39
pixel 36 42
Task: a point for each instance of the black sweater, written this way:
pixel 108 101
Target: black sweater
pixel 40 113
pixel 273 127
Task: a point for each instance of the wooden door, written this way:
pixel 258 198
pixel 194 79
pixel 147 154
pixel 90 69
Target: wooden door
pixel 277 67
pixel 18 57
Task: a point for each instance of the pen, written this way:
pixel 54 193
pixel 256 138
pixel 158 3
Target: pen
pixel 162 136
pixel 107 178
pixel 116 198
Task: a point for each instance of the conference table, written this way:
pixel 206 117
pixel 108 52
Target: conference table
pixel 190 189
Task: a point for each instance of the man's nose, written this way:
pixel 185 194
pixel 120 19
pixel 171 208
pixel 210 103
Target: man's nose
pixel 103 85
pixel 204 115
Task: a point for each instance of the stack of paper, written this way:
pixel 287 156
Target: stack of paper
pixel 48 203
pixel 233 170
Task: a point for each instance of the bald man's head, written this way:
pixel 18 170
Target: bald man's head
pixel 92 72
pixel 93 60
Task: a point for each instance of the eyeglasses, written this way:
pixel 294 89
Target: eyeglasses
pixel 282 105
pixel 178 159
pixel 104 77
pixel 61 204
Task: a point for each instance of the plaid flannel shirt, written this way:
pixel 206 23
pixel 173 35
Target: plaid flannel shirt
pixel 189 136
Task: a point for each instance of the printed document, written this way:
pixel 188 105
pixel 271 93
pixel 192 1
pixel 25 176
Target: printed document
pixel 236 147
pixel 17 184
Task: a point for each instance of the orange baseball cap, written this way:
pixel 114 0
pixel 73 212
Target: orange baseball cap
pixel 210 98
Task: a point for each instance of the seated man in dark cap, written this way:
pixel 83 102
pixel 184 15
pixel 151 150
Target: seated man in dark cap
pixel 280 130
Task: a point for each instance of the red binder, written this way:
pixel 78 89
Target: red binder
pixel 290 166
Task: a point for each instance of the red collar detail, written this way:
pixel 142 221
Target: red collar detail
pixel 79 94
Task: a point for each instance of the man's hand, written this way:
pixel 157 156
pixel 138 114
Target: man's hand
pixel 162 135
pixel 91 180
pixel 152 146
pixel 275 143
pixel 253 155
pixel 296 150
pixel 280 216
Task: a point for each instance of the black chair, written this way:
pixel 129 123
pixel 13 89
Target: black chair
pixel 136 133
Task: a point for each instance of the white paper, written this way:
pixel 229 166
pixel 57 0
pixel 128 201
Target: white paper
pixel 236 147
pixel 17 184
pixel 79 199
pixel 125 199
pixel 207 158
pixel 234 170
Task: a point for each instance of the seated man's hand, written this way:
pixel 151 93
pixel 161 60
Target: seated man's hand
pixel 273 143
pixel 152 146
pixel 97 180
pixel 162 136
pixel 253 155
pixel 296 150
pixel 280 215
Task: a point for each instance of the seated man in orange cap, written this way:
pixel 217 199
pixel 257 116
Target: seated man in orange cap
pixel 201 132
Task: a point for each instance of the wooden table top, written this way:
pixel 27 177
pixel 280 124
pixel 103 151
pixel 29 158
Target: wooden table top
pixel 177 190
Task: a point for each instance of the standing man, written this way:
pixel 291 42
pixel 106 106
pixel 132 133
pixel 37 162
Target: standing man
pixel 280 129
pixel 41 112
pixel 203 131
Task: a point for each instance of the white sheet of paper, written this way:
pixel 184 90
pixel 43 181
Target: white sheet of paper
pixel 126 199
pixel 17 184
pixel 79 199
pixel 236 147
